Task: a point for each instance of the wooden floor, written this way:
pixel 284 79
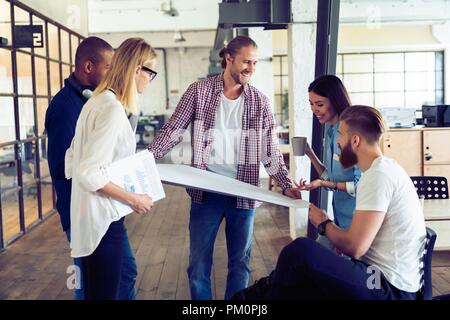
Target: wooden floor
pixel 34 267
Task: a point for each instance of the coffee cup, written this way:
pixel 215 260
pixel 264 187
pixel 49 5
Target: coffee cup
pixel 298 146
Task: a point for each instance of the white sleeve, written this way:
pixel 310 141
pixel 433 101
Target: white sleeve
pixel 375 191
pixel 350 188
pixel 68 159
pixel 99 149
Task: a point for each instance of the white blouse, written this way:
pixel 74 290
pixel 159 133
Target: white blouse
pixel 103 135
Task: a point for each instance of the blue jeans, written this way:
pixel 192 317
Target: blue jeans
pixel 307 270
pixel 204 223
pixel 78 294
pixel 110 271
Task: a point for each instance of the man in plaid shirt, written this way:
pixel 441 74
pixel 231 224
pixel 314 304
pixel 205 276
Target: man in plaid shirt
pixel 232 133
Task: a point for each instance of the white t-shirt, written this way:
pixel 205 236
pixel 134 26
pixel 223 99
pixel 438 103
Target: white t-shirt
pixel 398 245
pixel 224 155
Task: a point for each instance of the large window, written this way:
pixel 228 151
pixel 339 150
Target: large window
pixel 29 78
pixel 281 89
pixel 399 79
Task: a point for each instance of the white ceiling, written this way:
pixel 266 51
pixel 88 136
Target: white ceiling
pixel 152 15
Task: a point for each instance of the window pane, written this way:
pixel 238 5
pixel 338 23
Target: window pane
pixel 65 53
pixel 389 62
pixel 8 169
pixel 26 114
pixel 30 202
pixel 389 81
pixel 276 65
pixel 7 128
pixel 47 195
pixel 277 84
pixel 359 82
pixel 419 81
pixel 439 80
pixel 5 20
pixel 362 98
pixel 439 96
pixel 6 80
pixel 415 99
pixel 439 56
pixel 41 76
pixel 389 99
pixel 284 65
pixel 21 17
pixel 339 64
pixel 358 63
pixel 53 41
pixel 40 22
pixel 285 84
pixel 28 162
pixel 65 71
pixel 10 210
pixel 45 172
pixel 42 104
pixel 54 78
pixel 419 61
pixel 24 80
pixel 74 45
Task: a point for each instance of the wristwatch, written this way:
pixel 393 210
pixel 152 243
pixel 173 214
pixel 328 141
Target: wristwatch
pixel 322 227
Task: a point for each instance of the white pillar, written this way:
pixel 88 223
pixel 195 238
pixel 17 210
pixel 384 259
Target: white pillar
pixel 302 51
pixel 262 79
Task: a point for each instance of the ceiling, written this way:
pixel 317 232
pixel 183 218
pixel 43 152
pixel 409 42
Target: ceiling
pixel 152 15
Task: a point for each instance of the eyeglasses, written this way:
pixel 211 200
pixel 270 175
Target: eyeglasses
pixel 151 72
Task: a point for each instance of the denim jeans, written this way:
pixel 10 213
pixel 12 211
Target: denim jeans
pixel 307 270
pixel 205 220
pixel 110 271
pixel 78 293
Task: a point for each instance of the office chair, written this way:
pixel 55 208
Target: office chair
pixel 431 187
pixel 426 283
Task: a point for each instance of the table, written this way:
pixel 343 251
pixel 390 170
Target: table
pixel 437 217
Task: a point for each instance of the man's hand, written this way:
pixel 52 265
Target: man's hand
pixel 302 185
pixel 316 215
pixel 293 193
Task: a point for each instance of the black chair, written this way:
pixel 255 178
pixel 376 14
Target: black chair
pixel 426 285
pixel 431 187
pixel 426 289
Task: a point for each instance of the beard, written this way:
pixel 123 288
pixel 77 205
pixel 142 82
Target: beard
pixel 348 158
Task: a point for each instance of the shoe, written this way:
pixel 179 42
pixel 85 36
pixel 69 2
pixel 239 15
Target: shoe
pixel 255 292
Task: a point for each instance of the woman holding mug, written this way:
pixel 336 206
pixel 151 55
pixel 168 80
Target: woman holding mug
pixel 328 98
pixel 104 135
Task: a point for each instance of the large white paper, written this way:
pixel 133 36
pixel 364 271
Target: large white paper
pixel 182 175
pixel 138 174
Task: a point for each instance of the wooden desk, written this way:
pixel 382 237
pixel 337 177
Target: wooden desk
pixel 435 210
pixel 437 217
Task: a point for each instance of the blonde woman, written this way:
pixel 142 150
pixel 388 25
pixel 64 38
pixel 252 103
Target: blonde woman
pixel 103 135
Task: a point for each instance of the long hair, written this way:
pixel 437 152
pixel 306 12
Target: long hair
pixel 234 46
pixel 132 53
pixel 331 87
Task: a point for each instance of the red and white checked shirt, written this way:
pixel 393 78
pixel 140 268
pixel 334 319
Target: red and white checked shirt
pixel 258 140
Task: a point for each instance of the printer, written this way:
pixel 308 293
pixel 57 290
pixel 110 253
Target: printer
pixel 399 117
pixel 433 115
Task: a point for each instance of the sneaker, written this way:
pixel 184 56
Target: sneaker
pixel 255 292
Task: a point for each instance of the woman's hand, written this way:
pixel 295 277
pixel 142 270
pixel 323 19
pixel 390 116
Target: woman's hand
pixel 302 185
pixel 308 149
pixel 141 203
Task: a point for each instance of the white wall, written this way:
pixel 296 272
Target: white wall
pixel 70 13
pixel 183 68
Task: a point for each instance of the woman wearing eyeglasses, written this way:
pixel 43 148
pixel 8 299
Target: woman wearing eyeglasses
pixel 104 135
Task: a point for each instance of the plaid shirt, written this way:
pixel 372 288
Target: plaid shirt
pixel 258 141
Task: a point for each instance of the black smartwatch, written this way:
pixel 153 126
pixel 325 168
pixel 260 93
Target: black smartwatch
pixel 322 227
